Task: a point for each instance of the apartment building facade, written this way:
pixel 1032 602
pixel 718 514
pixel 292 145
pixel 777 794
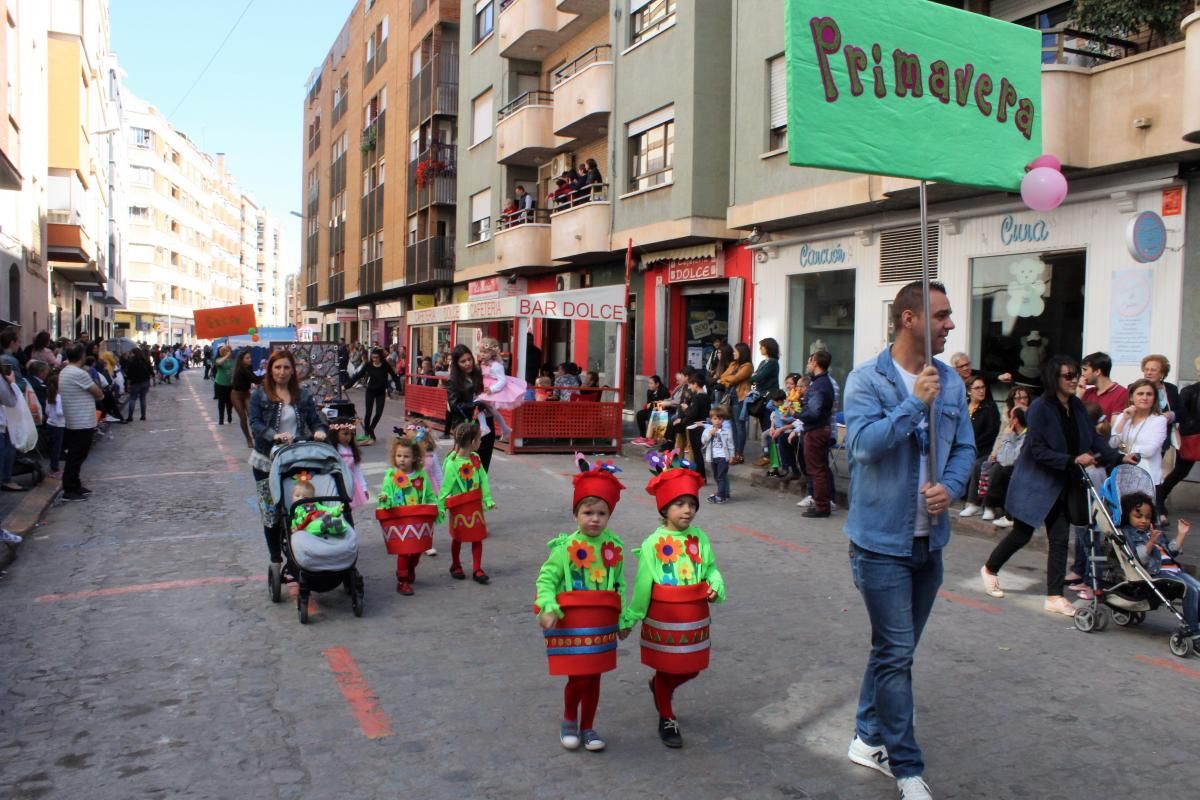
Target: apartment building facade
pixel 196 240
pixel 638 93
pixel 379 184
pixel 831 249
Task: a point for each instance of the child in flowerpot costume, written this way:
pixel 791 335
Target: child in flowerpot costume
pixel 677 578
pixel 407 487
pixel 464 497
pixel 580 591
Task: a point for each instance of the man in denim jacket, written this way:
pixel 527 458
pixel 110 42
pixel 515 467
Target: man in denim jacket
pixel 897 521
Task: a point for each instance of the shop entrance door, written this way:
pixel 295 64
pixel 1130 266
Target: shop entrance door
pixel 821 317
pixel 705 318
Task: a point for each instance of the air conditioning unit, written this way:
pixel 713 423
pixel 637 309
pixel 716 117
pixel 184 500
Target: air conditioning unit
pixel 559 164
pixel 566 281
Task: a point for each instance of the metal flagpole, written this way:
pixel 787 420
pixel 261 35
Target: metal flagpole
pixel 931 449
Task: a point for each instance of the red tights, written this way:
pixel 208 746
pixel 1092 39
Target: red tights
pixel 665 684
pixel 476 554
pixel 580 699
pixel 406 567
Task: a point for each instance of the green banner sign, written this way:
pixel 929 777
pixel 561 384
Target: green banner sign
pixel 914 89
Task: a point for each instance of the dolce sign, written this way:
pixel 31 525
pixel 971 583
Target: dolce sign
pixel 683 271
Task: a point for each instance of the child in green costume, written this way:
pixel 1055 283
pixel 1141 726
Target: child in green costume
pixel 586 561
pixel 677 554
pixel 406 484
pixel 319 519
pixel 463 472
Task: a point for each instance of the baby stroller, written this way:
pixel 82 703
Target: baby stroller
pixel 1121 586
pixel 323 565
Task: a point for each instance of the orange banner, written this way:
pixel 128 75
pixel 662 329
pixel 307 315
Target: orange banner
pixel 213 323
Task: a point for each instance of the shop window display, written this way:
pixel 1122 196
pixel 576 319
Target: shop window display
pixel 1026 307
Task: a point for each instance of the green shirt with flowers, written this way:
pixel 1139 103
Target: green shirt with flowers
pixel 461 475
pixel 413 489
pixel 578 562
pixel 672 558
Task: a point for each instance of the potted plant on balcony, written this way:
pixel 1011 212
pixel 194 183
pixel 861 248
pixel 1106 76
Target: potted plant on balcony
pixel 368 138
pixel 429 169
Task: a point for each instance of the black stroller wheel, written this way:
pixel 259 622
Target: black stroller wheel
pixel 1138 617
pixel 1122 618
pixel 1101 618
pixel 356 593
pixel 302 607
pixel 275 581
pixel 1181 644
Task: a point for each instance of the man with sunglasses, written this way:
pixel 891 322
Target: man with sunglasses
pixel 897 521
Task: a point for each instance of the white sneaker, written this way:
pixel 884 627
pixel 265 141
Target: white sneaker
pixel 970 511
pixel 865 755
pixel 988 515
pixel 10 537
pixel 111 418
pixel 1002 522
pixel 991 583
pixel 431 551
pixel 806 502
pixel 568 735
pixel 914 788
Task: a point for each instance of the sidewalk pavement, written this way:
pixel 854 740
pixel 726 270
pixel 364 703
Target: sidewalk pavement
pixel 21 512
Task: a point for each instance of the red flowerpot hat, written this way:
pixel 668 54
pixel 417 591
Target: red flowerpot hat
pixel 597 482
pixel 669 485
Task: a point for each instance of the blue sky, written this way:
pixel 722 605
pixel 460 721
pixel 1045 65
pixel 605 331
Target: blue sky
pixel 249 104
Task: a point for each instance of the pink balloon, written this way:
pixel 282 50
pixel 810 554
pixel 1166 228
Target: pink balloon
pixel 1043 189
pixel 1045 160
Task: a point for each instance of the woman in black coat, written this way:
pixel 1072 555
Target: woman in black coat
pixel 985 422
pixel 376 374
pixel 464 385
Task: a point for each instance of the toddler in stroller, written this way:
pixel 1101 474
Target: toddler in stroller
pixel 1135 573
pixel 320 546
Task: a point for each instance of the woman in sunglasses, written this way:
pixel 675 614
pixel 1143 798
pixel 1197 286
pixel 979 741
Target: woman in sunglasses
pixel 1045 487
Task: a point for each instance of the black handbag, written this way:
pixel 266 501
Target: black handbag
pixel 1075 502
pixel 755 406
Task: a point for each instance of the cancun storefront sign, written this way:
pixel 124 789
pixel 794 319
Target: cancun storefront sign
pixel 912 89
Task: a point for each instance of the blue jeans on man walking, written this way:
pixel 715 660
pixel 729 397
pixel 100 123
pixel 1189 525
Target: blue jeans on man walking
pixel 899 594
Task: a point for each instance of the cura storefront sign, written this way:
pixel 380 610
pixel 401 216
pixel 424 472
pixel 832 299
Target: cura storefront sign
pixel 822 256
pixel 1014 232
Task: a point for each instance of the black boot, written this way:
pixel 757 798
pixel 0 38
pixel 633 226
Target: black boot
pixel 668 731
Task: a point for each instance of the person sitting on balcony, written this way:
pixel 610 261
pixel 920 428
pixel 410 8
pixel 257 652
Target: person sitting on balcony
pixel 594 180
pixel 580 193
pixel 525 206
pixel 508 213
pixel 561 196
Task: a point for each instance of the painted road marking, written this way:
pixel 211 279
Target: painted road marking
pixel 969 602
pixel 141 587
pixel 1174 666
pixel 363 703
pixel 797 548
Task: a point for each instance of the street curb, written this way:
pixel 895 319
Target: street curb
pixel 26 516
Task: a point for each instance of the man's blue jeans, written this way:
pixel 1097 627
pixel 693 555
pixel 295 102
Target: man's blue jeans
pixel 899 594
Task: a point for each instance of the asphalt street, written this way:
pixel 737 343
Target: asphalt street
pixel 141 657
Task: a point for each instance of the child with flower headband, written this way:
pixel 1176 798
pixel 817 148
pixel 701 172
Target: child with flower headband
pixel 342 430
pixel 406 484
pixel 464 475
pixel 677 578
pixel 581 584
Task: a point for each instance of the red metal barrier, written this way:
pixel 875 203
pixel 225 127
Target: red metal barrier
pixel 547 427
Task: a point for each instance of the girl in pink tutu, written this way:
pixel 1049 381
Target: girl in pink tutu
pixel 500 390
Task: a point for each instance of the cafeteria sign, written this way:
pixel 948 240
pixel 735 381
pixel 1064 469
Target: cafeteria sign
pixel 912 89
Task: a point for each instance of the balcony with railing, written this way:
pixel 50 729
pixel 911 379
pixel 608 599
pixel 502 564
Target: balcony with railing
pixel 522 239
pixel 525 130
pixel 372 140
pixel 434 90
pixel 432 178
pixel 1104 104
pixel 429 262
pixel 373 64
pixel 69 209
pixel 583 94
pixel 579 225
pixel 531 29
pixel 310 297
pixel 370 277
pixel 337 287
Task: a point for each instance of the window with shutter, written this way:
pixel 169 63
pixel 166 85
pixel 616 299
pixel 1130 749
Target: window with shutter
pixel 777 107
pixel 481 216
pixel 900 254
pixel 481 118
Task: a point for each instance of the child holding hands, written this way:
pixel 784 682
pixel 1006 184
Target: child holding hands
pixel 677 578
pixel 583 575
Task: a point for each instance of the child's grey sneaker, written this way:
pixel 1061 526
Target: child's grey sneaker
pixel 9 537
pixel 914 788
pixel 569 735
pixel 592 740
pixel 865 755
